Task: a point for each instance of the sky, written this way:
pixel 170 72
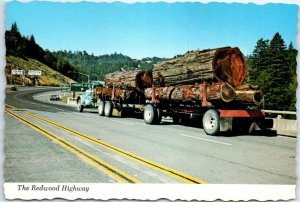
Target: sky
pixel 151 29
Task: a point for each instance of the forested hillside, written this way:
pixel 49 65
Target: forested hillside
pixel 71 63
pixel 26 47
pixel 49 76
pixel 98 66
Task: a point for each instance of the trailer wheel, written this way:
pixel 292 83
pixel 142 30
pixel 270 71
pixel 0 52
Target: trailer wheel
pixel 211 122
pixel 79 106
pixel 150 114
pixel 101 108
pixel 108 108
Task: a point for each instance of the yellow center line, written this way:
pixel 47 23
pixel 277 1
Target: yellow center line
pixel 168 171
pixel 10 106
pixel 100 164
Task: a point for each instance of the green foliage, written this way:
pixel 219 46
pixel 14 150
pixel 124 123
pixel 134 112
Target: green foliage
pixel 26 47
pixel 292 63
pixel 70 63
pixel 273 67
pixel 98 66
pixel 258 60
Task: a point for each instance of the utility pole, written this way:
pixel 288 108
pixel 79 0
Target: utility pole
pixel 23 77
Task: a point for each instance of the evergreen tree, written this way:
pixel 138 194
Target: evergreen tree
pixel 292 62
pixel 273 67
pixel 277 88
pixel 22 46
pixel 291 56
pixel 13 38
pixel 258 61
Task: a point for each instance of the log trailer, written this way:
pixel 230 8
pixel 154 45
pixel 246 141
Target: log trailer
pixel 206 84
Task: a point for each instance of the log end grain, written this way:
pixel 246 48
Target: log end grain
pixel 230 66
pixel 227 93
pixel 143 79
pixel 258 97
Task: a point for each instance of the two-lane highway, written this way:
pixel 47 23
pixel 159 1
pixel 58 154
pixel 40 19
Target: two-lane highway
pixel 46 142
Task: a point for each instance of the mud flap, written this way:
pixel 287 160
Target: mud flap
pixel 225 124
pixel 117 110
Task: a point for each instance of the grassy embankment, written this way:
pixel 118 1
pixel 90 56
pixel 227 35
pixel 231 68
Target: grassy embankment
pixel 49 76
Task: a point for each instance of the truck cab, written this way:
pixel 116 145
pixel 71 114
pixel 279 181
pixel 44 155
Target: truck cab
pixel 87 100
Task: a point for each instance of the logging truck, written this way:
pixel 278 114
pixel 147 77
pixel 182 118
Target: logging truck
pixel 206 84
pixel 87 100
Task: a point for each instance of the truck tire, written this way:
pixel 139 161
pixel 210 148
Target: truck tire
pixel 211 122
pixel 101 108
pixel 150 114
pixel 108 107
pixel 79 106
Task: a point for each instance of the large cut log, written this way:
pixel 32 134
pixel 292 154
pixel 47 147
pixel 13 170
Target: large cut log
pixel 188 93
pixel 129 79
pixel 113 93
pixel 221 64
pixel 248 93
pixel 249 97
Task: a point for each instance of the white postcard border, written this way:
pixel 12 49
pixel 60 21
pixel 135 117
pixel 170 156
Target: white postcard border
pixel 208 192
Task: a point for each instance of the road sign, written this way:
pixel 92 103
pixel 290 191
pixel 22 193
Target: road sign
pixel 79 87
pixel 34 72
pixel 17 72
pixel 64 86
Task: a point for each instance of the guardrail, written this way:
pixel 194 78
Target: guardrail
pixel 280 112
pixel 283 126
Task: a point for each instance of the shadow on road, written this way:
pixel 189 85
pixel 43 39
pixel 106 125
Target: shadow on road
pixel 265 133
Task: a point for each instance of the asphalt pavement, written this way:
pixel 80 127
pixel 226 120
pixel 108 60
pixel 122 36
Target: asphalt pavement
pixel 229 159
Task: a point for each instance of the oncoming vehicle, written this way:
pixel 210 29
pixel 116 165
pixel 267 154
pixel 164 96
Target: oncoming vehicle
pixel 55 97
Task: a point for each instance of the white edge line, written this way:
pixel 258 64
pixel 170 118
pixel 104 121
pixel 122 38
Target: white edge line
pixel 206 139
pixel 81 114
pixel 58 109
pixel 123 122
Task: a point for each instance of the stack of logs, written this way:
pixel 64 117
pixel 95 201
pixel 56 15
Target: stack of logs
pixel 107 93
pixel 214 75
pixel 129 79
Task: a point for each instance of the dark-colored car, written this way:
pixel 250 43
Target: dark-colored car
pixel 13 88
pixel 55 97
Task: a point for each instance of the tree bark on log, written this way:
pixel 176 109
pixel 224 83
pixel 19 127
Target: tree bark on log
pixel 129 79
pixel 247 87
pixel 215 93
pixel 188 93
pixel 113 94
pixel 220 64
pixel 249 97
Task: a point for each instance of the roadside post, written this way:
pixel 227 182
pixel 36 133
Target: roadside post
pixel 19 72
pixel 34 73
